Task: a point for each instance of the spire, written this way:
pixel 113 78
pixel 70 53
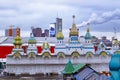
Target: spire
pixel 68 68
pixel 74 30
pixel 88 35
pixel 88 29
pixel 73 19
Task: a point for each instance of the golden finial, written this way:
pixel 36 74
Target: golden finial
pixel 88 29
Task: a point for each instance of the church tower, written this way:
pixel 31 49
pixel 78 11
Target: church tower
pixel 115 44
pixel 32 48
pixel 74 44
pixel 17 51
pixel 88 37
pixel 74 33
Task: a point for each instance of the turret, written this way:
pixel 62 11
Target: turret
pixel 74 31
pixel 88 37
pixel 60 37
pixel 17 42
pixel 115 44
pixel 101 46
pixel 32 48
pixel 17 51
pixel 45 45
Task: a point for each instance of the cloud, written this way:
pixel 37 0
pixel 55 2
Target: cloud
pixel 40 13
pixel 103 18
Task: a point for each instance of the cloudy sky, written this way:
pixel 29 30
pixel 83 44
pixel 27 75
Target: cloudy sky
pixel 103 15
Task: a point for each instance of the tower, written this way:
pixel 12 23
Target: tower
pixel 60 46
pixel 74 45
pixel 17 42
pixel 32 48
pixel 60 38
pixel 17 51
pixel 88 37
pixel 115 42
pixel 74 33
pixel 88 46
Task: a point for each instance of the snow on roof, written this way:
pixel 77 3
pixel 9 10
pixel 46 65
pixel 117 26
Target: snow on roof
pixel 6 44
pixel 3 39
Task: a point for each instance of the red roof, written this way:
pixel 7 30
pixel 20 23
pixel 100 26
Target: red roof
pixel 5 50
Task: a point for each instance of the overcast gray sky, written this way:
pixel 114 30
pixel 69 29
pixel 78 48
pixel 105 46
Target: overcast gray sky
pixel 102 14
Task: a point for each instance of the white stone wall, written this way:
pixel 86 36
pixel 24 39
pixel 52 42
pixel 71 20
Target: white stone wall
pixel 41 65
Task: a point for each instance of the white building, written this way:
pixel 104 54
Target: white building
pixel 46 62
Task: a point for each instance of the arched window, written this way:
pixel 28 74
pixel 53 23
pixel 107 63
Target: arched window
pixel 46 54
pixel 75 55
pixel 60 55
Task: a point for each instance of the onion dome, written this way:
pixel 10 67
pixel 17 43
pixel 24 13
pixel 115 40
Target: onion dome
pixel 74 30
pixel 115 42
pixel 45 45
pixel 17 40
pixel 88 35
pixel 60 35
pixel 32 40
pixel 114 66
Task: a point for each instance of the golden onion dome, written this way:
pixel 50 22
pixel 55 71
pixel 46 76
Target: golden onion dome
pixel 74 30
pixel 115 42
pixel 17 40
pixel 60 35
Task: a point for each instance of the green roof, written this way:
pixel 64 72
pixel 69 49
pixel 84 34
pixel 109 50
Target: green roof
pixel 88 36
pixel 69 68
pixel 77 67
pixel 32 40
